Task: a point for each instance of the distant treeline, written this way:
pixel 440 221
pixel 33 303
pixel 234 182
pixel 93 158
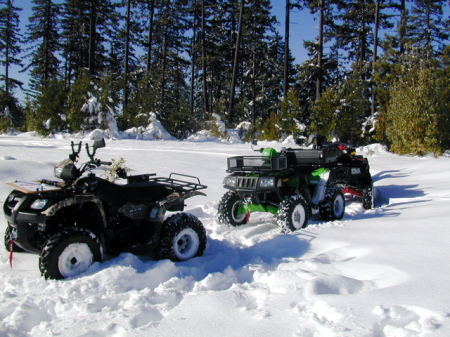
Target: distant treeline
pixel 377 71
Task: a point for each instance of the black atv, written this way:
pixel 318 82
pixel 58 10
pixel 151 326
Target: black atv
pixel 293 185
pixel 80 220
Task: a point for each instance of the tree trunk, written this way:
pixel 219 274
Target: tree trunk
pixel 191 100
pixel 235 64
pixel 7 40
pixel 375 51
pixel 204 77
pixel 92 28
pixel 402 28
pixel 127 52
pixel 150 36
pixel 286 48
pixel 320 52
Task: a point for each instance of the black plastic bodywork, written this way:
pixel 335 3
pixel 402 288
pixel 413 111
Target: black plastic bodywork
pixel 292 172
pixel 124 217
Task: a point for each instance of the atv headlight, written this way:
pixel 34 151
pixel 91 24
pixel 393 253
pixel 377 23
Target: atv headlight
pixel 267 182
pixel 64 169
pixel 230 181
pixel 39 204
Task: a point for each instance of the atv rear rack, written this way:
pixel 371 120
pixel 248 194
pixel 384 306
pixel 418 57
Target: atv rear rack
pixel 184 185
pixel 301 157
pixel 290 158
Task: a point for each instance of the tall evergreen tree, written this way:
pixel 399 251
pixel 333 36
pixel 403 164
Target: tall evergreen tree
pixel 427 28
pixel 214 47
pixel 321 70
pixel 10 42
pixel 354 34
pixel 260 80
pixel 87 27
pixel 164 89
pixel 43 33
pixel 10 47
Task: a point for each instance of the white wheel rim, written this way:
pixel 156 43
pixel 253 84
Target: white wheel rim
pixel 338 206
pixel 186 244
pixel 298 217
pixel 234 210
pixel 75 259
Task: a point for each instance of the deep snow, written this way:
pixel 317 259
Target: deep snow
pixel 380 272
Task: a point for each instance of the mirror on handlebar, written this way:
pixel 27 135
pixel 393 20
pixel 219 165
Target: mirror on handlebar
pixel 254 143
pixel 99 143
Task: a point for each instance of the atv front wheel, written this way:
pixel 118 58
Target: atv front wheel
pixel 69 253
pixel 10 245
pixel 183 237
pixel 228 210
pixel 292 214
pixel 333 207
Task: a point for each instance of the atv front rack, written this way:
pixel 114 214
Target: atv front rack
pixel 175 184
pixel 256 163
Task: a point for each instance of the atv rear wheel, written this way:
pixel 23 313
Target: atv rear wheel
pixel 292 214
pixel 183 237
pixel 9 245
pixel 368 196
pixel 333 207
pixel 228 210
pixel 69 253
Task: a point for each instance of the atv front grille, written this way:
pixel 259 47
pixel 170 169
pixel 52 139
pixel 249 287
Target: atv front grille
pixel 247 183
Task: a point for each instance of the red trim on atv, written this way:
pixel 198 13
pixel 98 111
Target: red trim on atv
pixel 352 191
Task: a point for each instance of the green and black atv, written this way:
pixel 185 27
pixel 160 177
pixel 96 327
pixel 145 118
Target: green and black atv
pixel 294 184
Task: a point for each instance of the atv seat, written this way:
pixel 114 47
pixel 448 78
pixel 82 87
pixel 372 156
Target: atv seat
pixel 138 193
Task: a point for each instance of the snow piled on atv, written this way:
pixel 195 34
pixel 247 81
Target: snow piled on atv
pixel 379 272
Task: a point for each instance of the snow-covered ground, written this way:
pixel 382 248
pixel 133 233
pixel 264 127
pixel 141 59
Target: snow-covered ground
pixel 380 272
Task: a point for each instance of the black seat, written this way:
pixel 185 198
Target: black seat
pixel 137 193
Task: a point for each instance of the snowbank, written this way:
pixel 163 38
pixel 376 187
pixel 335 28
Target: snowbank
pixel 375 273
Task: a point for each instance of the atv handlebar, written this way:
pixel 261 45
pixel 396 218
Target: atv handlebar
pixel 107 163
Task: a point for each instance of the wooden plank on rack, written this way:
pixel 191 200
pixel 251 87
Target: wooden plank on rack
pixel 30 187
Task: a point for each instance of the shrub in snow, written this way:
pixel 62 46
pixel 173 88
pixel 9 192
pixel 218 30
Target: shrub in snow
pixel 154 130
pixel 217 131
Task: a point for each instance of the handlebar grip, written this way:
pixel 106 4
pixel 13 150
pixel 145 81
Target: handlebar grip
pixel 105 163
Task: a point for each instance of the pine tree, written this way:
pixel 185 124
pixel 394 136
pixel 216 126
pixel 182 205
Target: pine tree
pixel 443 84
pixel 354 95
pixel 427 29
pixel 44 113
pixel 354 35
pixel 77 97
pixel 170 65
pixel 321 69
pixel 289 116
pixel 87 27
pixel 216 43
pixel 43 33
pixel 11 114
pixel 324 111
pixel 415 111
pixel 10 41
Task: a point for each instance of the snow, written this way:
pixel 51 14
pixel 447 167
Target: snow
pixel 381 272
